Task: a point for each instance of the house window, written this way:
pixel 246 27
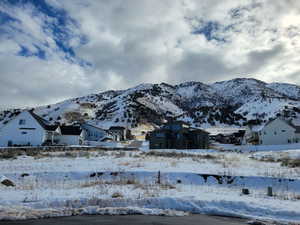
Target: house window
pixel 283 130
pixel 22 122
pixel 24 132
pixel 275 132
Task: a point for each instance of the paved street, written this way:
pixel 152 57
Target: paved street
pixel 132 220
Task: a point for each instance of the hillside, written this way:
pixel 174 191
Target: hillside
pixel 234 102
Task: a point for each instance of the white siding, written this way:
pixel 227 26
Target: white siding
pixel 29 133
pixel 93 133
pixel 69 139
pixel 277 132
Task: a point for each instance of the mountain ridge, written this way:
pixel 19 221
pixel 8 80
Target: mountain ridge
pixel 236 102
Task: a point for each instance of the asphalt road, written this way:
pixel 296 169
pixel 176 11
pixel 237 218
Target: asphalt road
pixel 132 220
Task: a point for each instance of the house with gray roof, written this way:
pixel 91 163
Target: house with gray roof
pixel 29 129
pixel 276 132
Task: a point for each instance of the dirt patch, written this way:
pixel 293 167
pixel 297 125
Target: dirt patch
pixel 98 174
pixel 220 179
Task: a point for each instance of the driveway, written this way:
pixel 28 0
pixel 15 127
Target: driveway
pixel 132 220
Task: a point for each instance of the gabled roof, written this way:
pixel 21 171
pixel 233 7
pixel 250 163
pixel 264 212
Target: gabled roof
pixel 117 128
pixel 70 130
pixel 289 123
pixel 44 123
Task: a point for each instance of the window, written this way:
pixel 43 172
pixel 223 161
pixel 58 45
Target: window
pixel 275 132
pixel 21 122
pixel 283 130
pixel 24 132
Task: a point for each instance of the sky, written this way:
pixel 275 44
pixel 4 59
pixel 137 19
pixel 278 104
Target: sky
pixel 51 50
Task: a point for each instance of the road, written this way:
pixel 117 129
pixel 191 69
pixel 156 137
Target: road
pixel 132 220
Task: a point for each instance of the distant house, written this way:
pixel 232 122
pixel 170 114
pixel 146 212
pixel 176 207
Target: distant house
pixel 275 132
pixel 93 133
pixel 118 133
pixel 69 135
pixel 226 135
pixel 27 128
pixel 178 135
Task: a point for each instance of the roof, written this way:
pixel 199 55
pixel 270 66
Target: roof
pixel 197 130
pixel 70 130
pixel 99 128
pixel 44 123
pixel 117 128
pixel 297 128
pixel 190 129
pixel 177 122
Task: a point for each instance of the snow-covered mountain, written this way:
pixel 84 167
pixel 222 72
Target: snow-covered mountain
pixel 234 102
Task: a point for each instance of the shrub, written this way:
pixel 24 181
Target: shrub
pixel 117 195
pixel 290 162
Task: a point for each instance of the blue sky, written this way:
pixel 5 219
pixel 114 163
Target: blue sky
pixel 51 49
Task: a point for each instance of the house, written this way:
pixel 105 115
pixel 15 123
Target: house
pixel 26 129
pixel 178 135
pixel 226 135
pixel 93 133
pixel 29 129
pixel 275 132
pixel 119 133
pixel 237 137
pixel 69 135
pixel 279 131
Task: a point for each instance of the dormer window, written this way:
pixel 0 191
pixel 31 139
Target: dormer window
pixel 22 122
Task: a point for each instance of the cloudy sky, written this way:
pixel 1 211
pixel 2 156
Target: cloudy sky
pixel 51 50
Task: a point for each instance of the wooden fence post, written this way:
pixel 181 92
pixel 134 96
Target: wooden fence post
pixel 270 192
pixel 158 177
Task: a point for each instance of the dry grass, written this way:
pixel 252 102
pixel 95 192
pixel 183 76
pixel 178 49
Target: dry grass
pixel 292 163
pixel 284 161
pixel 178 155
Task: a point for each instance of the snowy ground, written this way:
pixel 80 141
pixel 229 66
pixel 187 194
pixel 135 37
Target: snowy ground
pixel 112 182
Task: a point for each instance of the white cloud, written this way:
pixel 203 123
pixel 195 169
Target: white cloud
pixel 134 41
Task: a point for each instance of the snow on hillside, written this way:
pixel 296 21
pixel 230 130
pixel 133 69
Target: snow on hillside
pixel 290 90
pixel 234 102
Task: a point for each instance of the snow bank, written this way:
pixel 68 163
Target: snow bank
pixel 255 148
pixel 24 213
pixel 277 155
pixel 156 206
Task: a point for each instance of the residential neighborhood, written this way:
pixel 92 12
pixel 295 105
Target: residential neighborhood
pixel 29 129
pixel 149 112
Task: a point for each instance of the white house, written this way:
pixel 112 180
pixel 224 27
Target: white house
pixel 69 135
pixel 27 128
pixel 276 132
pixel 93 133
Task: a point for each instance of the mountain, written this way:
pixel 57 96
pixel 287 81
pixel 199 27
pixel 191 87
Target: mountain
pixel 234 102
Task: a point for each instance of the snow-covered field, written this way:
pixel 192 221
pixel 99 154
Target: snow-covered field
pixel 164 182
